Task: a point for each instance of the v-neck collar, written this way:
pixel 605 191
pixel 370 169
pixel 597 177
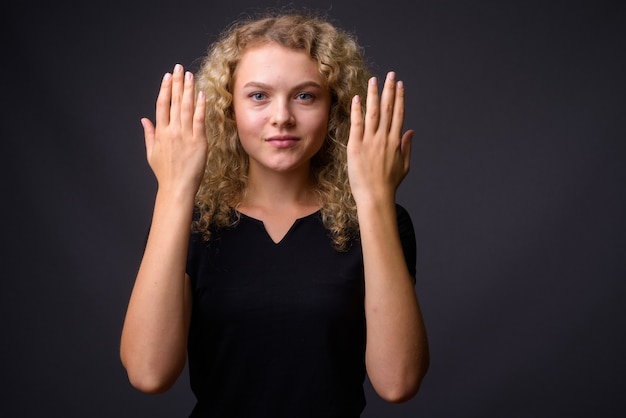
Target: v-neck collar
pixel 289 231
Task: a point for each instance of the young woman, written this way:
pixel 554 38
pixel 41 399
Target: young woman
pixel 278 262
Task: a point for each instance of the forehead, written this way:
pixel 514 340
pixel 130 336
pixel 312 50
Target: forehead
pixel 273 62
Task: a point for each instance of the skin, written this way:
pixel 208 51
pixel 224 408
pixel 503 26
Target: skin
pixel 396 352
pixel 154 336
pixel 281 108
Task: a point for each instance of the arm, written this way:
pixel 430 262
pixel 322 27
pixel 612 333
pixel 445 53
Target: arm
pixel 154 336
pixel 378 160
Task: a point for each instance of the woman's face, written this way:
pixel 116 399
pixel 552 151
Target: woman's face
pixel 281 106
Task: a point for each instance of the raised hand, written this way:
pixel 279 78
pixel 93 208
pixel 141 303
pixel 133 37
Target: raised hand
pixel 176 147
pixel 378 153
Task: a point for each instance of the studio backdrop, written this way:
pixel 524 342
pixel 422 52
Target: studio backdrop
pixel 516 191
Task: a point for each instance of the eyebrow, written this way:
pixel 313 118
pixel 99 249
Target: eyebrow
pixel 261 85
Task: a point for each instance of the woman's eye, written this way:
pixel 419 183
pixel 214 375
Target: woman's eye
pixel 257 96
pixel 305 96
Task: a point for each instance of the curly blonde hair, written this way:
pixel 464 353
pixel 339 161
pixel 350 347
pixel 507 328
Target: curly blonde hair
pixel 341 64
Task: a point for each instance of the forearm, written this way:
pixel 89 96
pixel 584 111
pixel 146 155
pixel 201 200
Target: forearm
pixel 397 349
pixel 154 337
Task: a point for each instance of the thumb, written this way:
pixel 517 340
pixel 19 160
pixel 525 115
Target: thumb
pixel 148 133
pixel 405 148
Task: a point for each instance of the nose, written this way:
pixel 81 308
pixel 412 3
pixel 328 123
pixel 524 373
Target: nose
pixel 281 113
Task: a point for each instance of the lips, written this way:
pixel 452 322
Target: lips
pixel 283 141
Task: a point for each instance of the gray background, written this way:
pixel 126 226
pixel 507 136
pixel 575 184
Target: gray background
pixel 517 193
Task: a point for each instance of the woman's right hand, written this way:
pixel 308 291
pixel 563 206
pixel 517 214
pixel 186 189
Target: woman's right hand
pixel 176 147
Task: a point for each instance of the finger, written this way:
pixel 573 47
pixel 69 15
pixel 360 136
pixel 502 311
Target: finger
pixel 187 105
pixel 148 133
pixel 387 102
pixel 163 101
pixel 395 130
pixel 199 114
pixel 372 115
pixel 177 94
pixel 356 121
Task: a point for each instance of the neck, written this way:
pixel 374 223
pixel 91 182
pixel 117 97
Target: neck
pixel 279 191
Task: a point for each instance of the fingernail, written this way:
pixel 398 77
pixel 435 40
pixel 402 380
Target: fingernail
pixel 167 76
pixel 188 76
pixel 178 68
pixel 373 81
pixel 400 84
pixel 391 75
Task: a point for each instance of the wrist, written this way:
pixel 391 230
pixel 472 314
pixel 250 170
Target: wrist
pixel 177 198
pixel 368 209
pixel 375 201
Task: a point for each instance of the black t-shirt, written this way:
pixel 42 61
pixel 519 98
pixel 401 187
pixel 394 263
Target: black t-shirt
pixel 278 329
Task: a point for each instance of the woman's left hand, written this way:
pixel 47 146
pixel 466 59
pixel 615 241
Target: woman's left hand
pixel 396 351
pixel 378 153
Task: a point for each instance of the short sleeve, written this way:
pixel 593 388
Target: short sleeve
pixel 407 239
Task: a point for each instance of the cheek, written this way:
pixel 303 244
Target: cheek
pixel 322 126
pixel 244 122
